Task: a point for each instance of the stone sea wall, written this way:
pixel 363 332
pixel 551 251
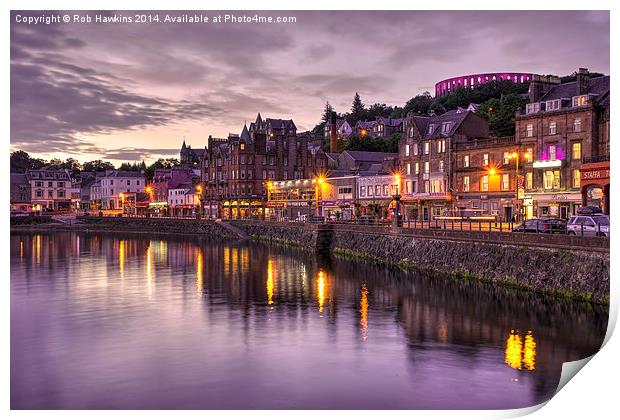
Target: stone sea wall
pixel 575 274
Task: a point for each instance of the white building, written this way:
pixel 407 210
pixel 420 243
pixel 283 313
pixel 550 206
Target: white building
pixel 115 184
pixel 50 188
pixel 183 200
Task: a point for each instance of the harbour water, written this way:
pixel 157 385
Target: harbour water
pixel 107 321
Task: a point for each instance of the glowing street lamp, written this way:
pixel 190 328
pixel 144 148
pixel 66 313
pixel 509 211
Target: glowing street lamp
pixel 492 171
pixel 320 180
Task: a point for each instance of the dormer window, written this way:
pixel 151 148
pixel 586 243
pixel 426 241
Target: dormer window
pixel 445 127
pixel 532 108
pixel 553 105
pixel 431 128
pixel 581 100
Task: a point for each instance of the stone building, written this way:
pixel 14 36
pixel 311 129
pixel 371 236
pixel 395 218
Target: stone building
pixel 484 175
pixel 21 201
pixel 565 127
pixel 235 172
pixel 427 159
pixel 380 127
pixel 343 128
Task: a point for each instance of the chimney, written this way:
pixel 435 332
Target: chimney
pixel 541 85
pixel 333 135
pixel 583 79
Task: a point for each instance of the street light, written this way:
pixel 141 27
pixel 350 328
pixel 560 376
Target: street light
pixel 320 180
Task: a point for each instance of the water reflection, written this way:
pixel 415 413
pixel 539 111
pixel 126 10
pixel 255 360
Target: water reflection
pixel 435 343
pixel 364 312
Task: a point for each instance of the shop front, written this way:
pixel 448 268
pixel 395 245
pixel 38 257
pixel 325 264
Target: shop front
pixel 595 191
pixel 560 205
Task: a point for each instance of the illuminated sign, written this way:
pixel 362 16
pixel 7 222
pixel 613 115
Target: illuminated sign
pixel 547 163
pixel 595 174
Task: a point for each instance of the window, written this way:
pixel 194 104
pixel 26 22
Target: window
pixel 38 184
pixel 529 130
pixel 415 148
pixel 427 167
pixel 445 127
pixel 529 181
pixel 427 147
pixel 242 146
pixel 485 159
pixel 552 152
pixel 61 184
pixel 505 182
pixel 576 178
pixel 580 100
pixel 552 127
pixel 137 182
pixel 427 186
pixel 128 182
pixel 577 125
pixel 362 191
pixel 50 194
pixel 431 128
pixel 577 150
pixel 408 168
pixel 39 193
pixel 551 180
pixel 386 190
pixel 111 182
pixel 532 108
pixel 529 155
pixel 465 184
pixel 466 161
pixel 506 158
pixel 50 184
pixel 484 183
pixel 406 150
pixel 553 105
pixel 377 190
pixel 441 146
pixel 441 166
pixel 417 168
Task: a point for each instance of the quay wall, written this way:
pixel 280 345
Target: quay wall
pixel 572 270
pixel 576 268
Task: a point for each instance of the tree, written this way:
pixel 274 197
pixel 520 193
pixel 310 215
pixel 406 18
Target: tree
pixel 419 104
pixel 500 113
pixel 327 112
pixel 97 166
pixel 20 161
pixel 358 110
pixel 160 163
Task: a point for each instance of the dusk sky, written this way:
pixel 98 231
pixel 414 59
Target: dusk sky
pixel 127 92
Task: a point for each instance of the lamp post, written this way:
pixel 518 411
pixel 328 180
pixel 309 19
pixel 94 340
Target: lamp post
pixel 320 180
pixel 516 156
pixel 199 191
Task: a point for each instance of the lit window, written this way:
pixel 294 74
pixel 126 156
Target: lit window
pixel 415 148
pixel 577 150
pixel 466 184
pixel 532 108
pixel 427 167
pixel 466 161
pixel 552 152
pixel 427 147
pixel 505 182
pixel 485 159
pixel 529 130
pixel 576 178
pixel 417 168
pixel 580 100
pixel 406 150
pixel 484 183
pixel 552 127
pixel 577 125
pixel 529 155
pixel 441 166
pixel 408 168
pixel 506 158
pixel 551 180
pixel 529 180
pixel 431 128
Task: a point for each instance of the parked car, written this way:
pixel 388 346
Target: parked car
pixel 542 226
pixel 588 225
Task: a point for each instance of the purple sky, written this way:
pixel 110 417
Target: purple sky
pixel 125 92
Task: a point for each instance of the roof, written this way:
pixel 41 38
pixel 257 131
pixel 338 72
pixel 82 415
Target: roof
pixel 455 116
pixel 17 178
pixel 596 85
pixel 124 174
pixel 369 156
